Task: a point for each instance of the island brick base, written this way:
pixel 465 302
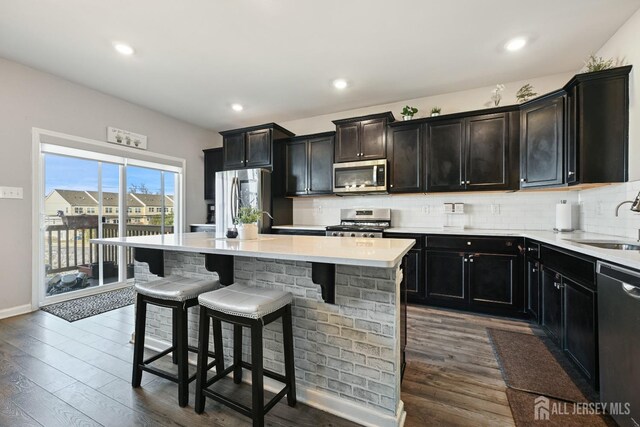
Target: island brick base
pixel 350 349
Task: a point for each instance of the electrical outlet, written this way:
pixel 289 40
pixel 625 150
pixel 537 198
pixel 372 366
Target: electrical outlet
pixel 11 193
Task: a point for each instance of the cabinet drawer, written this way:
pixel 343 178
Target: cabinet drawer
pixel 532 249
pixel 475 243
pixel 576 267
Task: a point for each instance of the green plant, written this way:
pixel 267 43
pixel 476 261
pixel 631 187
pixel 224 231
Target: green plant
pixel 436 110
pixel 598 63
pixel 249 215
pixel 409 111
pixel 525 93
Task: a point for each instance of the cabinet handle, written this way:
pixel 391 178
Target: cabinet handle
pixel 534 270
pixel 468 243
pixel 468 182
pixel 461 182
pixel 391 185
pixel 470 259
pixel 571 173
pixel 465 260
pixel 523 179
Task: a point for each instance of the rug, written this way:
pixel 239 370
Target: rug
pixel 538 381
pixel 82 308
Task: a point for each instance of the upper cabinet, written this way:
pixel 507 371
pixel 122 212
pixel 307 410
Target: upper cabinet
pixel 362 138
pixel 212 164
pixel 405 153
pixel 309 163
pixel 542 141
pixel 472 151
pixel 252 147
pixel 578 135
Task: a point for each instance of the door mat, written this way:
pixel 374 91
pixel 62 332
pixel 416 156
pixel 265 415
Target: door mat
pixel 540 389
pixel 93 305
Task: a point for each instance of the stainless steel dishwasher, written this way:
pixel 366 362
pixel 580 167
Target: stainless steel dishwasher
pixel 619 342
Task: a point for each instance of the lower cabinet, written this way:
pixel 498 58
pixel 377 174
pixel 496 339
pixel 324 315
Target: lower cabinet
pixel 533 288
pixel 474 273
pixel 413 275
pixel 580 333
pixel 552 304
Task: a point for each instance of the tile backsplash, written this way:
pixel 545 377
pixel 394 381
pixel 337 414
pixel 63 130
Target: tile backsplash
pixel 524 210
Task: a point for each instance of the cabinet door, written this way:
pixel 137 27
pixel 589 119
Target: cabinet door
pixel 445 277
pixel 296 163
pixel 571 151
pixel 580 337
pixel 552 304
pixel 320 170
pixel 373 139
pixel 258 148
pixel 542 143
pixel 493 281
pixel 212 164
pixel 445 145
pixel 533 289
pixel 405 159
pixel 413 275
pixel 347 142
pixel 487 151
pixel 233 149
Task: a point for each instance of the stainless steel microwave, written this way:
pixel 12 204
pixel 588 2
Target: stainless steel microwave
pixel 368 176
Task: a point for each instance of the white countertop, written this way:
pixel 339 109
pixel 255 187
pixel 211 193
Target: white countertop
pixel 562 240
pixel 300 227
pixel 385 253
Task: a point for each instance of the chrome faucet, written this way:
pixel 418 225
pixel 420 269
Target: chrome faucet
pixel 635 204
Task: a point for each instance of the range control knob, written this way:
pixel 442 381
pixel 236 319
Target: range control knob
pixel 372 235
pixel 334 234
pixel 341 234
pixel 353 235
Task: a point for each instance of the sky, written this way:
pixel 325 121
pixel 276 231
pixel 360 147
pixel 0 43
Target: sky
pixel 71 173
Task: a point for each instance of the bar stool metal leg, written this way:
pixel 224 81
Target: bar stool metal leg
pixel 237 353
pixel 218 346
pixel 203 347
pixel 183 365
pixel 138 348
pixel 174 337
pixel 257 386
pixel 289 363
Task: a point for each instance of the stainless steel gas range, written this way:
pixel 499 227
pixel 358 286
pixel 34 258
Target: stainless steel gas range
pixel 363 222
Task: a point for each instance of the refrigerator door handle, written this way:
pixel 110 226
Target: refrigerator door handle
pixel 234 198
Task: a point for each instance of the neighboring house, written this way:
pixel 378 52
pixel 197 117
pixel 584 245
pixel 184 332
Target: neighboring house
pixel 141 208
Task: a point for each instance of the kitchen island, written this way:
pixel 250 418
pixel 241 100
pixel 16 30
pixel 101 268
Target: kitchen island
pixel 346 310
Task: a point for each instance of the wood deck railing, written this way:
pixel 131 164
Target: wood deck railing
pixel 67 248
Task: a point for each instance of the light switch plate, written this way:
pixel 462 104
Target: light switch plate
pixel 11 193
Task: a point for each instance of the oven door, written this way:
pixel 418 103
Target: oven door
pixel 360 177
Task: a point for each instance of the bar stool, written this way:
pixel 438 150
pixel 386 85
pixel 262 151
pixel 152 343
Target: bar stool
pixel 252 307
pixel 177 293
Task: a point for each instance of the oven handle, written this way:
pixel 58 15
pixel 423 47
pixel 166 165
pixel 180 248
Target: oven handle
pixel 375 176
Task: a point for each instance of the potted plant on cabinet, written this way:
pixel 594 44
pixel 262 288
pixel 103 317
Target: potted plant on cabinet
pixel 408 112
pixel 435 111
pixel 247 222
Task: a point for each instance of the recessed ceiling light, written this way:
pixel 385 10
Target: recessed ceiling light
pixel 340 83
pixel 515 44
pixel 123 49
pixel 237 107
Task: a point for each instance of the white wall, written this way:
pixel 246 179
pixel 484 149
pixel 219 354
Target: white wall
pixel 30 98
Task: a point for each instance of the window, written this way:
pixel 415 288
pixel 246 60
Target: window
pixel 78 210
pixel 151 210
pixel 137 210
pixel 91 210
pixel 108 210
pixel 166 209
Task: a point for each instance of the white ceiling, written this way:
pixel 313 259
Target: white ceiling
pixel 194 58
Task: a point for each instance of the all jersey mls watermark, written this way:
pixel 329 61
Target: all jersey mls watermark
pixel 544 409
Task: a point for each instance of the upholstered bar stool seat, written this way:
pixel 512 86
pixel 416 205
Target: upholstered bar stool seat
pixel 177 293
pixel 251 307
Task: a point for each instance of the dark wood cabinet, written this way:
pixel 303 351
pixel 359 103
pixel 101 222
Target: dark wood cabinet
pixel 542 141
pixel 362 138
pixel 493 281
pixel 598 133
pixel 580 333
pixel 533 288
pixel 551 319
pixel 253 147
pixel 413 267
pixel 474 152
pixel 213 163
pixel 309 163
pixel 475 273
pixel 405 154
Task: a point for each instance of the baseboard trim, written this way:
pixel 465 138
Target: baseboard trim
pixel 15 311
pixel 326 402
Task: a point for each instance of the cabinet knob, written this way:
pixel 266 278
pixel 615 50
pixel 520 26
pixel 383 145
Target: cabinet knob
pixel 571 173
pixel 468 182
pixel 470 259
pixel 461 182
pixel 468 243
pixel 465 260
pixel 361 154
pixel 523 180
pixel 391 185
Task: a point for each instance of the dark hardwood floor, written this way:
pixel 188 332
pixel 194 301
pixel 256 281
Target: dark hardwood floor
pixel 55 373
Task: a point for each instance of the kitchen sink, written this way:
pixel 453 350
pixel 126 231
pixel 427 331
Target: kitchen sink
pixel 608 244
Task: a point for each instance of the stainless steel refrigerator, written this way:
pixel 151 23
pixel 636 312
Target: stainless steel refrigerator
pixel 238 188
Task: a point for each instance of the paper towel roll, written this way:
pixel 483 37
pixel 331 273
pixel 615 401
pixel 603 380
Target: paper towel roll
pixel 564 216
